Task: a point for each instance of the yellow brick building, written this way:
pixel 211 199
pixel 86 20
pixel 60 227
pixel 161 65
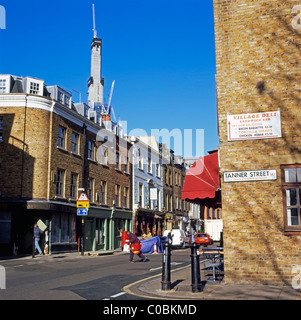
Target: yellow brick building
pixel 258 72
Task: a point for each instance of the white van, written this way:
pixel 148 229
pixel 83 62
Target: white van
pixel 179 238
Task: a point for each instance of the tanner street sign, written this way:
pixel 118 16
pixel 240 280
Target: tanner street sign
pixel 250 175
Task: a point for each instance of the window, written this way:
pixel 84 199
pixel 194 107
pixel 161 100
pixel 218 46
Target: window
pixel 91 189
pixel 60 96
pixel 60 180
pixel 158 170
pixel 2 85
pixel 117 194
pixel 73 185
pixel 61 137
pixel 74 145
pixel 126 164
pixel 291 191
pixel 34 88
pixel 66 100
pixel 117 161
pixel 104 155
pixel 149 164
pixel 140 195
pixel 140 159
pixel 1 129
pixel 103 192
pixel 126 197
pixel 91 147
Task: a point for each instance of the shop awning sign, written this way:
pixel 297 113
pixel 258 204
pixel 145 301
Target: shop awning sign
pixel 251 126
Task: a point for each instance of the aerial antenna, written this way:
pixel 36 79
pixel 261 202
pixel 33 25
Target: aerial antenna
pixel 94 28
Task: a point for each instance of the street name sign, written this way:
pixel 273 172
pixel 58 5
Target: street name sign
pixel 250 175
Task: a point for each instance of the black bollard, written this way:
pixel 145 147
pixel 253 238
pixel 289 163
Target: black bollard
pixel 166 283
pixel 196 285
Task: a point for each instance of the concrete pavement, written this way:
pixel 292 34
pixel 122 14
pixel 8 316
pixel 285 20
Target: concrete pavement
pixel 218 290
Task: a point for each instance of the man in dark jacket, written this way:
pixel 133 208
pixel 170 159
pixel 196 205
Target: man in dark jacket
pixel 134 242
pixel 36 233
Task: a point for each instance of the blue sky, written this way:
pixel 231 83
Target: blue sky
pixel 160 53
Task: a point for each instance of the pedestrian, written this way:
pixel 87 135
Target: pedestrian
pixel 192 237
pixel 36 233
pixel 135 247
pixel 170 236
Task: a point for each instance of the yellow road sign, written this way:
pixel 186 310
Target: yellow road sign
pixel 82 204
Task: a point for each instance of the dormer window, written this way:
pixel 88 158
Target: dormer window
pixel 67 100
pixel 60 96
pixel 34 88
pixel 2 85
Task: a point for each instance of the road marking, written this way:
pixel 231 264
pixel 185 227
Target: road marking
pixel 19 265
pixel 118 294
pixel 172 264
pixel 153 269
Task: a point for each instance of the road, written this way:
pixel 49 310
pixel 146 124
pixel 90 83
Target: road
pixel 74 277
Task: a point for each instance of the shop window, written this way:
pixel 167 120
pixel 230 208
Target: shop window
pixel 291 192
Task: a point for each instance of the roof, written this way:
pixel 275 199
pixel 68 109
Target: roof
pixel 202 179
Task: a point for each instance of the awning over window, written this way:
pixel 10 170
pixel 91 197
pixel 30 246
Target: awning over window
pixel 202 179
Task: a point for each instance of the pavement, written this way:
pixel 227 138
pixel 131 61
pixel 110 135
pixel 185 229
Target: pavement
pixel 211 290
pixel 181 289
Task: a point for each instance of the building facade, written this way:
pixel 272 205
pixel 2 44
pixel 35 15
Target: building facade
pixel 176 209
pixel 147 186
pixel 49 149
pixel 258 95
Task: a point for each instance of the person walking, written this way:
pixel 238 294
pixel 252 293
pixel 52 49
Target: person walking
pixel 135 247
pixel 170 236
pixel 36 233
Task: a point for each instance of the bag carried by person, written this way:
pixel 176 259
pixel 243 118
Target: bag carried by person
pixel 135 247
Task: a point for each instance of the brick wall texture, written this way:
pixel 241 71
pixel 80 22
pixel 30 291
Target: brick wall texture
pixel 258 70
pixel 30 157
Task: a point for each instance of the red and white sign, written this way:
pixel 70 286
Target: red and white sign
pixel 83 197
pixel 250 126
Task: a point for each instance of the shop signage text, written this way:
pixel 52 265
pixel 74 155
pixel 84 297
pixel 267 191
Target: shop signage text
pixel 250 126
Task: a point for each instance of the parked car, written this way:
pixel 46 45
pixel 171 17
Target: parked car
pixel 203 238
pixel 179 239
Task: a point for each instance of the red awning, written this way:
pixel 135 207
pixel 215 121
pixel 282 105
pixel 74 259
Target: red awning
pixel 202 179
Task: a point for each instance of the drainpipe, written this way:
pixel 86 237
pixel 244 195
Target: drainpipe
pixel 23 148
pixel 83 219
pixel 111 229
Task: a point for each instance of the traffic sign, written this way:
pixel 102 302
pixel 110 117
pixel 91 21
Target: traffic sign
pixel 82 212
pixel 82 204
pixel 83 201
pixel 83 197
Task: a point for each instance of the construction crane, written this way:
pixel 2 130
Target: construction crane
pixel 106 109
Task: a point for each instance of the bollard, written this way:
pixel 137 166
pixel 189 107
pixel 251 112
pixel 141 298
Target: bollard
pixel 196 285
pixel 166 283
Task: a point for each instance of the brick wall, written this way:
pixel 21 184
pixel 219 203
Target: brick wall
pixel 23 157
pixel 30 157
pixel 258 70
